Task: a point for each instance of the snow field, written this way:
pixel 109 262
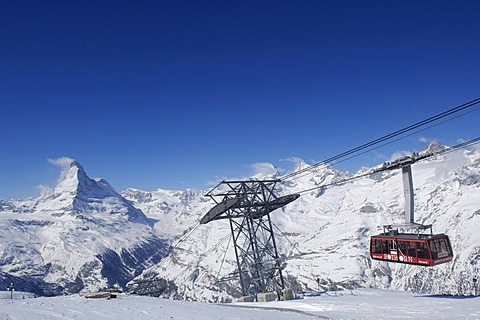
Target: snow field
pixel 355 304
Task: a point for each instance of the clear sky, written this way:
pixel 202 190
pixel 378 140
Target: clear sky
pixel 177 94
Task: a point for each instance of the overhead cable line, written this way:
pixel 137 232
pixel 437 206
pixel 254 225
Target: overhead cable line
pixel 224 257
pixel 185 236
pixel 322 165
pixel 354 152
pixel 386 137
pixel 283 234
pixel 444 151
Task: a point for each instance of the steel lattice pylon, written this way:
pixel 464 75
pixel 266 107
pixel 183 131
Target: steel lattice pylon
pixel 247 205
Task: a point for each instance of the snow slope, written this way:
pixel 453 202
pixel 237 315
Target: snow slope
pixel 175 210
pixel 356 304
pixel 325 233
pixel 82 235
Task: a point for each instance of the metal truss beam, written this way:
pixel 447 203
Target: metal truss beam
pixel 247 205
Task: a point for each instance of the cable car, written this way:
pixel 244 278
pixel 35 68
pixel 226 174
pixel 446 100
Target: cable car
pixel 417 249
pixel 413 248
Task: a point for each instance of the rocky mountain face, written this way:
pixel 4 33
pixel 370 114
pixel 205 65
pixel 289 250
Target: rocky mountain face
pixel 325 234
pixel 81 236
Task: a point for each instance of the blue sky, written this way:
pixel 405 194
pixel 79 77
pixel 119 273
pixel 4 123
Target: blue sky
pixel 176 94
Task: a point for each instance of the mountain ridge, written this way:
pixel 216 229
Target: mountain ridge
pixel 82 235
pixel 328 233
pixel 324 234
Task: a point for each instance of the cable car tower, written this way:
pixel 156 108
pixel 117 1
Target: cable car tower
pixel 247 206
pixel 411 248
pixel 405 164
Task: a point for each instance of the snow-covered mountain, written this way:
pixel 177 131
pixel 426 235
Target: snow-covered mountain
pixel 82 235
pixel 325 233
pixel 175 210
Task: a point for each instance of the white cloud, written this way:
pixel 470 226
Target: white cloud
pixel 258 170
pixel 378 155
pixel 399 154
pixel 426 140
pixel 212 183
pixel 298 163
pixel 263 169
pixel 294 160
pixel 62 162
pixel 44 190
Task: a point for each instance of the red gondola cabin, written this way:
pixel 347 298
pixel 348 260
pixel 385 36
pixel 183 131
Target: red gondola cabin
pixel 418 249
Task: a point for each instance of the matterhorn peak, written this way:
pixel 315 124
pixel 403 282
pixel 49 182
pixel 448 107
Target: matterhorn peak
pixel 75 183
pixel 72 179
pixel 76 192
pixel 74 164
